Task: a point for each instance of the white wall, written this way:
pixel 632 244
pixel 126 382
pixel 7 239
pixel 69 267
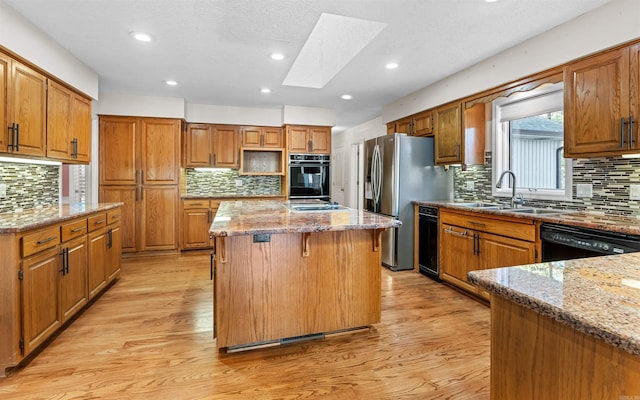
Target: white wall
pixel 205 113
pixel 26 40
pixel 308 116
pixel 614 23
pixel 140 106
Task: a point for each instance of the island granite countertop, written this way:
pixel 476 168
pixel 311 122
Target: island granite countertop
pixel 274 216
pixel 18 221
pixel 597 296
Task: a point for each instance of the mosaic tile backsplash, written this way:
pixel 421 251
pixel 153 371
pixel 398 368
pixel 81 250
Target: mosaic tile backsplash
pixel 29 185
pixel 210 183
pixel 610 177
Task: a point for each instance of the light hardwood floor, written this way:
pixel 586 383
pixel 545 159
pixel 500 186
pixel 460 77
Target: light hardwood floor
pixel 150 337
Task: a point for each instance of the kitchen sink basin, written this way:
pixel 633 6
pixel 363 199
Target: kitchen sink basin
pixel 535 211
pixel 480 204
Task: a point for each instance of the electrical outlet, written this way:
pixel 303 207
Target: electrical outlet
pixel 584 190
pixel 471 185
pixel 3 190
pixel 238 182
pixel 634 192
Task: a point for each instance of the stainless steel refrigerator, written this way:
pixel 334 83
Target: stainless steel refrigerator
pixel 399 169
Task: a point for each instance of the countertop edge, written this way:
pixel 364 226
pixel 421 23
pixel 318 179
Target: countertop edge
pixel 56 220
pixel 301 229
pixel 571 320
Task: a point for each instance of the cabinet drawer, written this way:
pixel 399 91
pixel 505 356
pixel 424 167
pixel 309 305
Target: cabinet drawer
pixel 41 240
pixel 97 221
pixel 114 216
pixel 73 229
pixel 195 203
pixel 522 229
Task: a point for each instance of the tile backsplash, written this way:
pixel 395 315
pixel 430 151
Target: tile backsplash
pixel 29 185
pixel 211 183
pixel 610 177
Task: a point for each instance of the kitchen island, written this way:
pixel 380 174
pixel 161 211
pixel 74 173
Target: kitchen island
pixel 565 329
pixel 283 273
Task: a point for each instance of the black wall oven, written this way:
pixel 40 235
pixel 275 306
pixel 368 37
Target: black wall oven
pixel 428 242
pixel 309 176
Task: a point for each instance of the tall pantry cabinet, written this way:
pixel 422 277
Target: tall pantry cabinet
pixel 140 166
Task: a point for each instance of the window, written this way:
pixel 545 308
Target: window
pixel 529 140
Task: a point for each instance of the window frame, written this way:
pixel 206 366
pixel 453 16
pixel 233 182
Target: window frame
pixel 500 150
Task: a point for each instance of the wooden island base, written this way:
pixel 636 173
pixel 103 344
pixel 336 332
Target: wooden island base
pixel 283 285
pixel 535 357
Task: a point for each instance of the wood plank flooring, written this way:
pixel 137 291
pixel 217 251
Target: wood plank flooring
pixel 150 337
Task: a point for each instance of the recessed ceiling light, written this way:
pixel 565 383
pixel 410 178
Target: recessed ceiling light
pixel 171 83
pixel 141 36
pixel 391 65
pixel 346 97
pixel 490 1
pixel 265 90
pixel 277 56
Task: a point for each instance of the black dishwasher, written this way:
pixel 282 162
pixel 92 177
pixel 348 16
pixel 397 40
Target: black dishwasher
pixel 428 241
pixel 560 242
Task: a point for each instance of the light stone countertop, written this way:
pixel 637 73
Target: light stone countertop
pixel 273 216
pixel 598 296
pixel 18 221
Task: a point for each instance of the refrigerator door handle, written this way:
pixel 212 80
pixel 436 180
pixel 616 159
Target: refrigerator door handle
pixel 378 177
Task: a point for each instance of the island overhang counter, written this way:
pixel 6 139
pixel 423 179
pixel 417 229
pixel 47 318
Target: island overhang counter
pixel 281 274
pixel 565 329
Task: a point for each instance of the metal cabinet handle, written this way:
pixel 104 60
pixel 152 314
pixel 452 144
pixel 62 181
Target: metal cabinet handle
pixel 451 231
pixel 457 151
pixel 477 223
pixel 12 128
pixel 63 253
pixel 17 143
pixel 78 229
pixel 47 240
pixel 622 124
pixel 110 238
pixel 99 222
pixel 74 148
pixel 631 121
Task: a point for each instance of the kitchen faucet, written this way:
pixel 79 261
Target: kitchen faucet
pixel 513 188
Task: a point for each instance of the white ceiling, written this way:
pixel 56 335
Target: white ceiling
pixel 218 50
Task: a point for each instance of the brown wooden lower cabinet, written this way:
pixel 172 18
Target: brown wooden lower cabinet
pixel 49 274
pixel 469 241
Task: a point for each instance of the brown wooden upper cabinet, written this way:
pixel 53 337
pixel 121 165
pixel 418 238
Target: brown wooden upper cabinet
pixel 261 137
pixel 420 124
pixel 448 132
pixel 308 139
pixel 23 102
pixel 68 125
pixel 602 104
pixel 209 145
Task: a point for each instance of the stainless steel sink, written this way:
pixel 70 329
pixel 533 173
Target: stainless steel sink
pixel 535 211
pixel 479 204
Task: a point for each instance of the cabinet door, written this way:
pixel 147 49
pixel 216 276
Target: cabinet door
pixel 113 258
pixel 28 107
pixel 423 124
pixel 159 207
pixel 225 146
pixel 81 128
pixel 73 282
pixel 5 73
pixel 195 228
pixel 448 134
pixel 404 125
pixel 498 251
pixel 297 139
pixel 634 91
pixel 272 137
pixel 129 222
pixel 596 97
pixel 391 128
pixel 59 103
pixel 320 140
pixel 251 136
pixel 96 263
pixel 198 145
pixel 40 307
pixel 160 151
pixel 457 255
pixel 119 141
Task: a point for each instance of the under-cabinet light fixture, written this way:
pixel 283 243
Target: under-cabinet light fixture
pixel 212 169
pixel 635 155
pixel 28 161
